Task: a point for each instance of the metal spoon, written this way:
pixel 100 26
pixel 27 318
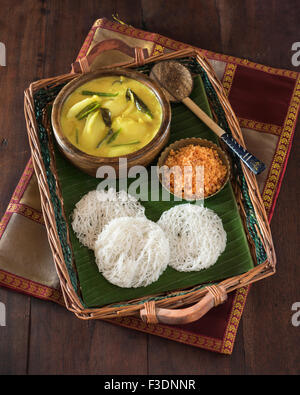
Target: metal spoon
pixel 177 82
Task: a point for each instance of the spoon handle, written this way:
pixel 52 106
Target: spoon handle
pixel 254 164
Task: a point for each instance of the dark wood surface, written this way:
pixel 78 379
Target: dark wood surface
pixel 42 39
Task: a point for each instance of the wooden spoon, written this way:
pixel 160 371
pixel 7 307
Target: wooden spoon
pixel 177 82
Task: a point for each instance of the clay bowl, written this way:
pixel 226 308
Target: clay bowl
pixel 89 163
pixel 195 141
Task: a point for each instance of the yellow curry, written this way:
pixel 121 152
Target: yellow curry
pixel 111 116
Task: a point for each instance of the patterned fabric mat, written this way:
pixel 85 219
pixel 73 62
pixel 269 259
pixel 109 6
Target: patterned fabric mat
pixel 266 101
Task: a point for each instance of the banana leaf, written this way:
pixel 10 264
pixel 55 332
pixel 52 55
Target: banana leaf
pixel 236 259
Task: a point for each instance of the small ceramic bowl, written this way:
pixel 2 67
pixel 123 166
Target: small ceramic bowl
pixel 89 163
pixel 195 141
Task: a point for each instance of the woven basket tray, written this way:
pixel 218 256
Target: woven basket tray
pixel 166 307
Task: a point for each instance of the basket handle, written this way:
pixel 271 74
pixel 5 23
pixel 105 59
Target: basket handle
pixel 83 65
pixel 215 295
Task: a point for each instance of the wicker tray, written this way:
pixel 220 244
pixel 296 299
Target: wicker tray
pixel 166 307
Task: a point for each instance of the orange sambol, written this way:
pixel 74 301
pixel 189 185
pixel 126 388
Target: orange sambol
pixel 182 167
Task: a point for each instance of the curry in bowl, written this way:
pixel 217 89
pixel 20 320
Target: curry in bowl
pixel 99 117
pixel 111 116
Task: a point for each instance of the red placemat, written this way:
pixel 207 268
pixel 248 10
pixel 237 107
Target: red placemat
pixel 266 101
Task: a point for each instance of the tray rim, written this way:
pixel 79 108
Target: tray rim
pixel 175 298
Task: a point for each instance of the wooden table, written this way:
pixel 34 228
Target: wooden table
pixel 42 39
